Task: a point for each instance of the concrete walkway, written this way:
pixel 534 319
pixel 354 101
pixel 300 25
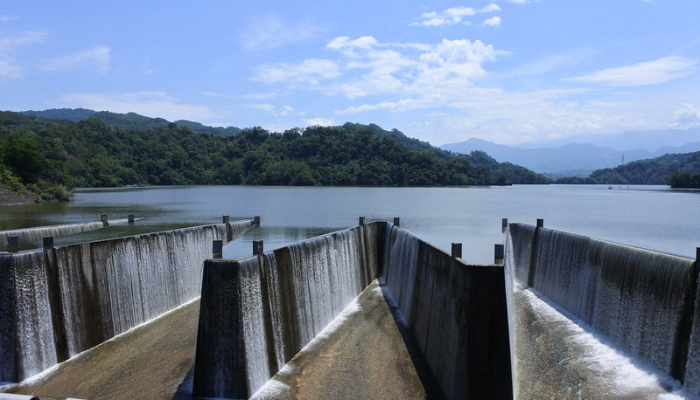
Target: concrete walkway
pixel 362 357
pixel 147 362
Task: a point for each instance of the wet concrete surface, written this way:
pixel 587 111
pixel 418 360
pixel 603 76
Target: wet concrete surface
pixel 364 357
pixel 148 362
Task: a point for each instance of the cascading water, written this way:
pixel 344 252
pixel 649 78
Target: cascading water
pixel 64 300
pixel 284 299
pixel 444 302
pixel 29 236
pixel 640 301
pixel 402 249
pixel 30 322
pixel 253 318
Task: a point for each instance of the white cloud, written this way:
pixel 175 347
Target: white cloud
pixel 367 67
pixel 151 104
pixel 261 107
pixel 645 73
pixel 320 122
pixel 97 56
pixel 7 18
pixel 688 116
pixel 493 21
pixel 454 15
pixel 10 45
pixel 269 32
pixel 216 94
pixel 310 71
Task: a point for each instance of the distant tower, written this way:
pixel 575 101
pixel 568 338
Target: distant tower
pixel 623 159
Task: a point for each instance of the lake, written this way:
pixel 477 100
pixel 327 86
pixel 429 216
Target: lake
pixel 654 217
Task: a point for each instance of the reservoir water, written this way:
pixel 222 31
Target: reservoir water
pixel 654 217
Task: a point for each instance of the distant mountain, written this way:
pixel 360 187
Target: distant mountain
pixel 68 114
pixel 655 171
pixel 573 159
pixel 652 141
pixel 127 121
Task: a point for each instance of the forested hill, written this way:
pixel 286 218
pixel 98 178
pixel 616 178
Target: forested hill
pixel 671 169
pixel 93 153
pixel 127 121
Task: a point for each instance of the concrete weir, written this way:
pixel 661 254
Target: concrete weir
pixel 257 313
pixel 59 301
pixel 577 303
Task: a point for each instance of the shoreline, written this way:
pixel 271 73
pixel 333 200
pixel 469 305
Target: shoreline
pixel 8 198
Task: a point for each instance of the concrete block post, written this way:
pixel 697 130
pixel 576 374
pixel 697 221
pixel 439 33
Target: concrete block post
pixel 105 221
pixel 131 218
pixel 504 224
pixel 498 254
pixel 540 223
pixel 362 221
pixel 12 243
pixel 48 242
pixel 256 220
pixel 257 247
pixel 217 249
pixel 456 250
pixel 220 363
pixel 397 222
pixel 226 219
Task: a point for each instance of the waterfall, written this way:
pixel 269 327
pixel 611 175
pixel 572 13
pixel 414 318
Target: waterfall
pixel 67 299
pixel 279 301
pixel 401 279
pixel 638 299
pixel 29 236
pixel 26 317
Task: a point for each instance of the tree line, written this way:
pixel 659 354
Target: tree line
pixel 676 170
pixel 52 156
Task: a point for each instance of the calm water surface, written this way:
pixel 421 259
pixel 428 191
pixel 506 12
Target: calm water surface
pixel 654 217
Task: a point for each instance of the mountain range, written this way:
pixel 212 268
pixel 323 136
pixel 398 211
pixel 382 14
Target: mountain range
pixel 579 156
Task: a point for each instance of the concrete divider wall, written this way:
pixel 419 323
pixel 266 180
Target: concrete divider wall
pixel 257 313
pixel 57 302
pixel 456 312
pixel 642 301
pixel 27 236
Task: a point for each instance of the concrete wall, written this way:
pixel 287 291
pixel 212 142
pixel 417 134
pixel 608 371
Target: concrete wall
pixel 59 301
pixel 257 313
pixel 28 237
pixel 643 302
pixel 457 314
pixel 268 307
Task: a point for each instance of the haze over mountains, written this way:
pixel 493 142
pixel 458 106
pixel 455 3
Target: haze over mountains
pixel 580 155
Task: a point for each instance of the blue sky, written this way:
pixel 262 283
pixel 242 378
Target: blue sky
pixel 441 71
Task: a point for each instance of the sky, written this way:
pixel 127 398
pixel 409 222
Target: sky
pixel 507 71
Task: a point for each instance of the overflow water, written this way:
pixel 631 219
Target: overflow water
pixel 638 300
pixel 29 237
pixel 257 313
pixel 58 302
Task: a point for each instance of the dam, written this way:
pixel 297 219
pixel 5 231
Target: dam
pixel 59 301
pixel 496 331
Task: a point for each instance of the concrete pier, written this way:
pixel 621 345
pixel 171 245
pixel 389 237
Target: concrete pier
pixel 257 313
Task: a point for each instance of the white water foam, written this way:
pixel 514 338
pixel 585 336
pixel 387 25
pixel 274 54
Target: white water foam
pixel 614 374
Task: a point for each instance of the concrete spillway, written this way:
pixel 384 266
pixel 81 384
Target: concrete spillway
pixel 258 312
pixel 638 301
pixel 30 236
pixel 59 301
pixel 534 329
